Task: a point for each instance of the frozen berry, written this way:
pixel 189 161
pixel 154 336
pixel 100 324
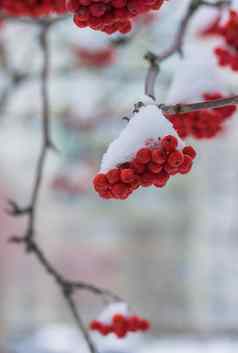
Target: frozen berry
pixel 169 143
pixel 187 165
pixel 175 159
pixel 113 176
pixel 127 175
pixel 159 156
pixel 143 156
pixel 190 151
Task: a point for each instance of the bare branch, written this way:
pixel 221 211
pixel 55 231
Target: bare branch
pixel 28 240
pixel 188 108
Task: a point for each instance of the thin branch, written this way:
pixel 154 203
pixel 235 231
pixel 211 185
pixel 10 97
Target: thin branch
pixel 28 240
pixel 188 108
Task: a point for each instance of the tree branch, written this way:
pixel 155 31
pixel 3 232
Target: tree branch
pixel 28 240
pixel 188 108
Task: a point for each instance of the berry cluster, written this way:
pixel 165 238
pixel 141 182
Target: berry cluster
pixel 96 58
pixel 152 165
pixel 110 16
pixel 202 124
pixel 120 325
pixel 33 8
pixel 228 56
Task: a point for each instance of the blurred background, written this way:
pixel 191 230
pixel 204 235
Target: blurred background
pixel 171 253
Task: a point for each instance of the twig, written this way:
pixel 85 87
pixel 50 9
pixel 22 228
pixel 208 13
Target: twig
pixel 188 108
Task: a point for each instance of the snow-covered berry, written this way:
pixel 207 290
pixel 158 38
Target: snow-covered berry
pixel 147 153
pixel 116 319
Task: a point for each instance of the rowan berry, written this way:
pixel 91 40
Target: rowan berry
pixel 159 156
pixel 154 167
pixel 113 176
pixel 127 175
pixel 187 165
pixel 190 151
pixel 169 143
pixel 175 159
pixel 143 156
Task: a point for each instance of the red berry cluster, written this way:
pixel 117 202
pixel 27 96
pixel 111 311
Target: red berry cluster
pixel 228 56
pixel 110 15
pixel 33 8
pixel 97 58
pixel 120 325
pixel 202 124
pixel 151 166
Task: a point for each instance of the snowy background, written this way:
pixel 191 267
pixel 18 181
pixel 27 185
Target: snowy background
pixel 172 253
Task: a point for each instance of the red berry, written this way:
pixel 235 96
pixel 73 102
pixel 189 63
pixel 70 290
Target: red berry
pixel 187 165
pixel 98 10
pixel 159 156
pixel 120 191
pixel 147 179
pixel 113 176
pixel 95 325
pixel 143 156
pixel 105 329
pixel 175 159
pixel 169 143
pixel 170 170
pixel 135 184
pixel 133 323
pixel 100 182
pixel 105 194
pixel 138 167
pixel 190 151
pixel 161 179
pixel 118 318
pixel 144 325
pixel 127 175
pixel 154 167
pixel 120 332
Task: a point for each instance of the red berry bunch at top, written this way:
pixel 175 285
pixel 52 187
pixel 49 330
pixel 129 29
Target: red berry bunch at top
pixel 202 124
pixel 228 55
pixel 110 16
pixel 152 165
pixel 33 8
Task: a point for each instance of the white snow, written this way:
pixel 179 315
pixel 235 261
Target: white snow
pixel 148 123
pixel 198 73
pixel 112 309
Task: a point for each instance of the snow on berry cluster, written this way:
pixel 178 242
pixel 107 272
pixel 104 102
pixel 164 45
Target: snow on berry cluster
pixel 147 153
pixel 110 16
pixel 202 124
pixel 227 55
pixel 33 8
pixel 116 319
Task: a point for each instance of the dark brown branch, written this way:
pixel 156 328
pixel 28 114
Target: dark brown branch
pixel 28 240
pixel 188 108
